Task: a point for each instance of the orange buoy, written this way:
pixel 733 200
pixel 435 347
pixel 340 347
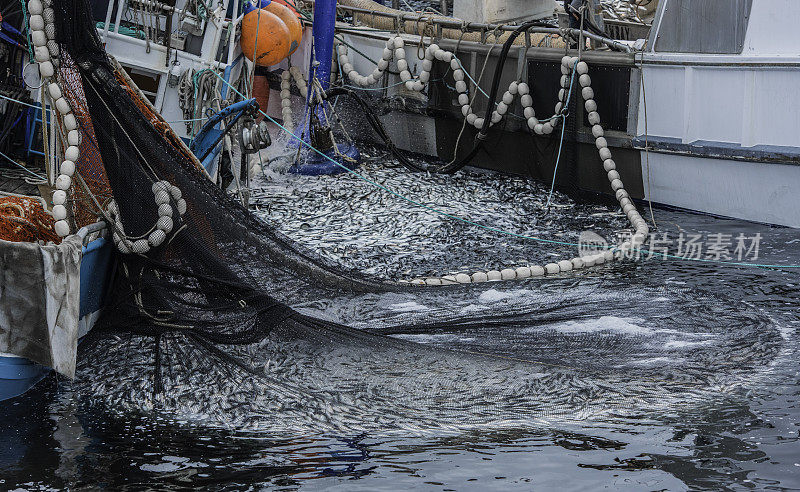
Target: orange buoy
pixel 290 7
pixel 266 36
pixel 289 17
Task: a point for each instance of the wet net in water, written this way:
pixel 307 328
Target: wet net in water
pixel 201 327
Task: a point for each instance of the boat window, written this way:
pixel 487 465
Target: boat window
pixel 702 26
pixel 146 81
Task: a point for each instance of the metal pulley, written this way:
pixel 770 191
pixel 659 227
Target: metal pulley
pixel 254 136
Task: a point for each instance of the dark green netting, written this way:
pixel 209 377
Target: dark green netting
pixel 201 327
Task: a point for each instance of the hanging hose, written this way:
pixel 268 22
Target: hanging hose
pixel 375 123
pixel 498 73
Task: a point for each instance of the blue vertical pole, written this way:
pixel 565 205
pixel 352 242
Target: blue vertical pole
pixel 324 25
pixel 345 153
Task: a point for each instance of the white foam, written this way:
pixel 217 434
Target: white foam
pixel 683 344
pixel 470 308
pixel 408 307
pixel 442 337
pixel 611 324
pixel 160 467
pixel 175 459
pixel 494 295
pixel 655 361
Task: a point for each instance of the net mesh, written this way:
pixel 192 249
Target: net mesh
pixel 200 283
pixel 24 219
pixel 202 327
pixel 90 162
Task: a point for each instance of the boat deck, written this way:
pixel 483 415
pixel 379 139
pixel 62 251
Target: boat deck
pixel 12 180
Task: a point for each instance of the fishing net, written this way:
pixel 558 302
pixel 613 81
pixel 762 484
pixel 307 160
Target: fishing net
pixel 90 163
pixel 24 219
pixel 201 326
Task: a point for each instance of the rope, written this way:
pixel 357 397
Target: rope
pixel 26 30
pixel 563 117
pixel 646 141
pixel 494 229
pixel 474 95
pixel 35 106
pixel 124 30
pixel 203 90
pixel 558 159
pixel 372 88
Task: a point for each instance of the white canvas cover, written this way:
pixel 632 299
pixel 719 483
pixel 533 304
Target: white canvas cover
pixel 40 300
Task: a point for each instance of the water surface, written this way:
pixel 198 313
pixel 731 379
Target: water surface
pixel 740 432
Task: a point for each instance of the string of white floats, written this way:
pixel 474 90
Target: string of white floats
pixel 569 66
pixel 286 95
pixel 164 193
pixel 46 53
pixel 395 49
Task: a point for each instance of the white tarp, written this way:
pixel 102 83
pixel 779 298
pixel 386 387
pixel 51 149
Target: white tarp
pixel 40 301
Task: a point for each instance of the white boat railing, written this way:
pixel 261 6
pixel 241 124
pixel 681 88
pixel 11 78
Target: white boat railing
pixel 85 231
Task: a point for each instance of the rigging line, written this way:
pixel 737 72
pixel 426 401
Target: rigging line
pixel 255 51
pixel 372 88
pixel 558 159
pixel 49 161
pixel 26 30
pixel 501 231
pixel 646 142
pixel 477 86
pixel 563 116
pixel 122 127
pixel 474 94
pixel 186 121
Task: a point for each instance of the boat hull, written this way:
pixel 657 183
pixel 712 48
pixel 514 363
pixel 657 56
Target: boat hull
pixel 18 375
pixel 762 192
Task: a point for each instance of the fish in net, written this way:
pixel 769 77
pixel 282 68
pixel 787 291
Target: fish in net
pixel 201 327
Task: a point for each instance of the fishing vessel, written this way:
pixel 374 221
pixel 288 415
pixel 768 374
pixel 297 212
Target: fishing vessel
pixel 558 92
pixel 681 97
pixel 56 250
pixel 701 139
pixel 55 257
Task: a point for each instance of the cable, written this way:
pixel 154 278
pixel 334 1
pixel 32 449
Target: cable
pixel 376 124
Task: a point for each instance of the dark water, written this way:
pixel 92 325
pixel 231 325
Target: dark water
pixel 742 440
